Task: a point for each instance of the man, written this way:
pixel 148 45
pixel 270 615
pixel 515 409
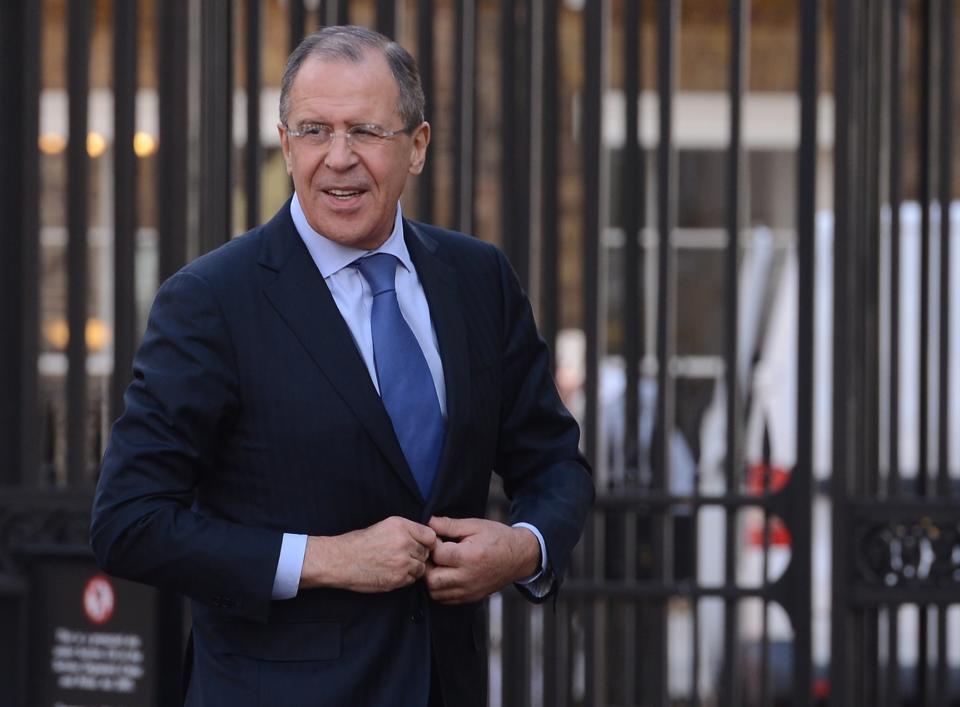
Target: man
pixel 316 409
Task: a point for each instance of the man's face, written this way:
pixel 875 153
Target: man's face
pixel 349 194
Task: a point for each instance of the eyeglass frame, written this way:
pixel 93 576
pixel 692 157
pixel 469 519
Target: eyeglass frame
pixel 372 128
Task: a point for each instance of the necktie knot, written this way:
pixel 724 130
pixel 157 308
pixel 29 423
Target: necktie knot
pixel 379 270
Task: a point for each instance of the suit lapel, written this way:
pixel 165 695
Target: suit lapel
pixel 303 300
pixel 446 312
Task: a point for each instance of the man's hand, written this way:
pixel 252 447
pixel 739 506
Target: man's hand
pixel 386 556
pixel 477 558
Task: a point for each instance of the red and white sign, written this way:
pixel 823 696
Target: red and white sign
pixel 99 600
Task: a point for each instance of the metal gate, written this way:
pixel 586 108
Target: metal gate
pixel 754 270
pixel 896 420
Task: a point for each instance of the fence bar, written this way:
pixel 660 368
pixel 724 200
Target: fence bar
pixel 515 660
pixel 869 166
pixel 387 17
pixel 253 151
pixel 841 684
pixel 425 59
pixel 739 14
pixel 564 659
pixel 172 183
pixel 216 132
pixel 298 23
pixel 593 195
pixel 856 296
pixel 534 121
pixel 508 143
pixel 633 652
pixel 667 21
pixel 765 582
pixel 125 198
pixel 927 34
pixel 464 102
pixel 20 412
pixel 549 300
pixel 515 156
pixel 667 31
pixel 654 501
pixel 765 687
pixel 895 197
pixel 856 277
pixel 893 656
pixel 655 590
pixel 797 576
pixel 941 691
pixel 521 121
pixel 945 151
pixel 594 28
pixel 78 178
pixel 551 654
pixel 595 615
pixel 633 181
pixel 925 195
pixel 868 218
pixel 633 202
pixel 695 637
pixel 343 12
pixel 463 119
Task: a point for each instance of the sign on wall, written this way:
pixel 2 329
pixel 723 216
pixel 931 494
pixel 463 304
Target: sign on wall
pixel 94 636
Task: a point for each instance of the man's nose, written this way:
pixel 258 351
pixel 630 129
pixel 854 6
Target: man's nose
pixel 340 155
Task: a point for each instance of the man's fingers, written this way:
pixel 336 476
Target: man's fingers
pixel 427 537
pixel 445 585
pixel 447 554
pixel 442 579
pixel 419 569
pixel 454 528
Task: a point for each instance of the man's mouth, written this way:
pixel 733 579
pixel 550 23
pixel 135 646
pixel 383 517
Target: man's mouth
pixel 343 194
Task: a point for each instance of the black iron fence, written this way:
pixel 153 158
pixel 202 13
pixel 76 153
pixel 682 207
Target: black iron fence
pixel 749 274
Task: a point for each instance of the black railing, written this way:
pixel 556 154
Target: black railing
pixel 525 152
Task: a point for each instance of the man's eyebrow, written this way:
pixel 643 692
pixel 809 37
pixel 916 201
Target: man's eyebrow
pixel 347 124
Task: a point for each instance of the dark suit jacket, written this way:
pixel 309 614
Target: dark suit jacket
pixel 251 413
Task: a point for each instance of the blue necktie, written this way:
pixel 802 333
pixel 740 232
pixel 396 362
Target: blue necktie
pixel 406 385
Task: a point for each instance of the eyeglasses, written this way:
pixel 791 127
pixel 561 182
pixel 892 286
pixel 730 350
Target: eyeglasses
pixel 358 137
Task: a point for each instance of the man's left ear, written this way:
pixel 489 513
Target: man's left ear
pixel 285 147
pixel 418 150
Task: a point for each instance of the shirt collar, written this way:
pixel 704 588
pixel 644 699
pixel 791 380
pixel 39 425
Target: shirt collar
pixel 331 257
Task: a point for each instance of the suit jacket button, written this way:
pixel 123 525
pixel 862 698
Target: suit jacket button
pixel 417 616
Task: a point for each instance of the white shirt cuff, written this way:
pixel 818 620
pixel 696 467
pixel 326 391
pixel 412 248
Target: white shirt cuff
pixel 540 583
pixel 287 580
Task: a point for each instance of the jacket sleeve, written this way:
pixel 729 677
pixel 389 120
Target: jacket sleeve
pixel 182 400
pixel 545 476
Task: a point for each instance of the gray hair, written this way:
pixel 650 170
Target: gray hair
pixel 350 43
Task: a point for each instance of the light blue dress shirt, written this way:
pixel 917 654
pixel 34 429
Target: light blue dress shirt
pixel 353 298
